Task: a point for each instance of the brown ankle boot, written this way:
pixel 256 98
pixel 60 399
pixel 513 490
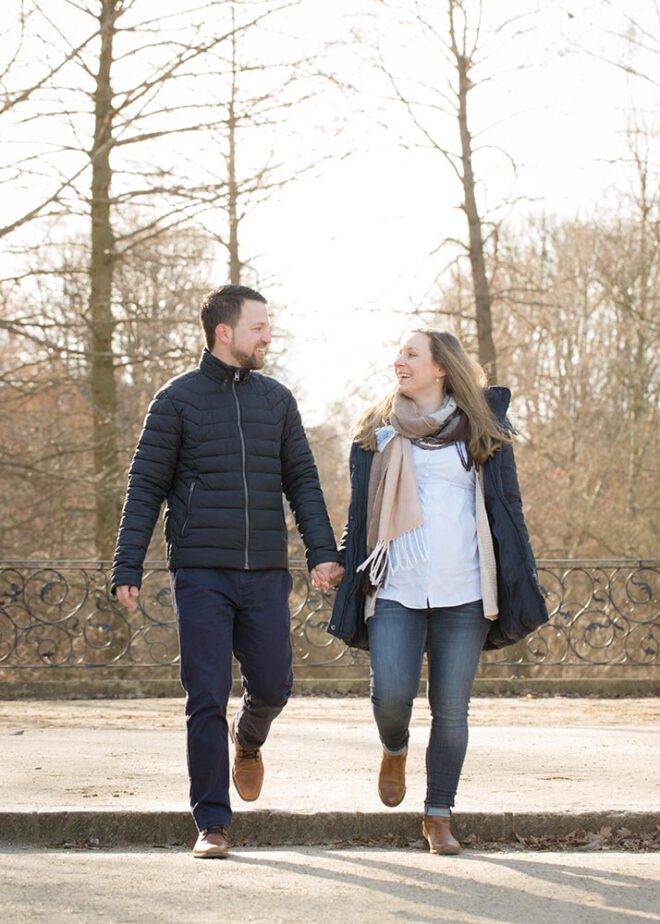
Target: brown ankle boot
pixel 248 769
pixel 392 778
pixel 437 832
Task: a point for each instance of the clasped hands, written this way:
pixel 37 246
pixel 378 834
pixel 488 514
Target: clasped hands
pixel 326 575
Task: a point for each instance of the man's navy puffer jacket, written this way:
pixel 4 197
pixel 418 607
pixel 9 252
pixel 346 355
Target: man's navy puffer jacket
pixel 222 444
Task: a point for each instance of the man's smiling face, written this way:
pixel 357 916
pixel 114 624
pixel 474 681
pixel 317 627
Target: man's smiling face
pixel 250 338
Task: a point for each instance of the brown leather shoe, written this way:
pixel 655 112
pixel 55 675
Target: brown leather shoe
pixel 437 832
pixel 248 769
pixel 212 844
pixel 392 778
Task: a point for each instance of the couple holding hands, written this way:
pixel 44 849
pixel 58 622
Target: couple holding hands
pixel 435 556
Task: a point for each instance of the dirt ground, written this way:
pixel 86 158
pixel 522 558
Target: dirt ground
pixel 525 755
pixel 166 713
pixel 485 711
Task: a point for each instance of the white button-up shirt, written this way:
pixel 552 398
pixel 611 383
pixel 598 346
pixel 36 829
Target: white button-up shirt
pixel 451 575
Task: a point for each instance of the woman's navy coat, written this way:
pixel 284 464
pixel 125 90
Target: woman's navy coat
pixel 520 598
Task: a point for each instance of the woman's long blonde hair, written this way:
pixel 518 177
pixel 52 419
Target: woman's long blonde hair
pixel 464 380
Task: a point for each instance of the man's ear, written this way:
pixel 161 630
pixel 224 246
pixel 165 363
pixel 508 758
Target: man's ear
pixel 223 333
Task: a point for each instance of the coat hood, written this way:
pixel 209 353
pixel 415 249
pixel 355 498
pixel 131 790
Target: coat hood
pixel 498 398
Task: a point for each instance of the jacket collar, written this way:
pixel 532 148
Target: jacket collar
pixel 215 369
pixel 498 398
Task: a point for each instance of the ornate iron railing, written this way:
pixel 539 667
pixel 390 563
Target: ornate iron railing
pixel 61 615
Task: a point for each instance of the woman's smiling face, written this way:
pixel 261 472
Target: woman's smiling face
pixel 415 369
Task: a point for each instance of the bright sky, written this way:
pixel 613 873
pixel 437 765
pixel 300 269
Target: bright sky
pixel 349 251
pixel 355 255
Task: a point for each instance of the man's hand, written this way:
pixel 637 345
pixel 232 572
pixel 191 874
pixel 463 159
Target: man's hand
pixel 127 595
pixel 326 575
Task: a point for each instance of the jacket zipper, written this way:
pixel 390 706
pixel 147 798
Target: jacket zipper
pixel 191 491
pixel 243 468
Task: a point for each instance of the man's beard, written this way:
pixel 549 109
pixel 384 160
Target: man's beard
pixel 247 360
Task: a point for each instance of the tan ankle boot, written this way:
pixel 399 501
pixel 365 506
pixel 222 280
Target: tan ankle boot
pixel 392 778
pixel 437 831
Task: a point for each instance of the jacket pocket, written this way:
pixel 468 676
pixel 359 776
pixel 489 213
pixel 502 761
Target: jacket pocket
pixel 191 491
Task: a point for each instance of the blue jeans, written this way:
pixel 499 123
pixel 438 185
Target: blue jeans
pixel 453 637
pixel 220 612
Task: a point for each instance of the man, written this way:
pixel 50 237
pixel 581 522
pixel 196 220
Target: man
pixel 222 442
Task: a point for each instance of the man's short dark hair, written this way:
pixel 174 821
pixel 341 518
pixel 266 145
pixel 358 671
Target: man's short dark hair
pixel 224 306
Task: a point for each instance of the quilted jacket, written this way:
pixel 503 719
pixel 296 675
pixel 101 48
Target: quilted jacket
pixel 222 445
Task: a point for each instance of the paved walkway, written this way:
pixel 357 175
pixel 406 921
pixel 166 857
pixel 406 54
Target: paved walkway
pixel 95 774
pixel 318 886
pixel 558 756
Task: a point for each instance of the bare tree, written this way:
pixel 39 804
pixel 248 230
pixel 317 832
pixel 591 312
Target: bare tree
pixel 452 36
pixel 47 445
pixel 21 85
pixel 264 103
pixel 629 274
pixel 463 48
pixel 623 36
pixel 145 78
pixel 579 341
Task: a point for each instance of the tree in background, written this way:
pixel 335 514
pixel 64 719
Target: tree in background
pixel 145 147
pixel 453 36
pixel 47 446
pixel 145 115
pixel 624 36
pixel 578 342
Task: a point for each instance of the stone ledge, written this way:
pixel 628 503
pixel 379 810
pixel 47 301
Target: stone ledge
pixel 119 829
pixel 111 688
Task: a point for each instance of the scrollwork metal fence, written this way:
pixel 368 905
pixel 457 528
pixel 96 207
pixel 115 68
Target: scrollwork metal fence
pixel 57 615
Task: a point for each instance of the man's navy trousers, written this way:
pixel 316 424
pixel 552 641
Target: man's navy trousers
pixel 221 611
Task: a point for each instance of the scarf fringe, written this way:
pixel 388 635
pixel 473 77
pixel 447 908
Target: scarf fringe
pixel 408 551
pixel 400 554
pixel 378 563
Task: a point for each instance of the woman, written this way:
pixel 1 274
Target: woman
pixel 437 558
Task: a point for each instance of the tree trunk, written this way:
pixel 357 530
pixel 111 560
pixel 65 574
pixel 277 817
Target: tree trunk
pixel 482 296
pixel 101 362
pixel 235 265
